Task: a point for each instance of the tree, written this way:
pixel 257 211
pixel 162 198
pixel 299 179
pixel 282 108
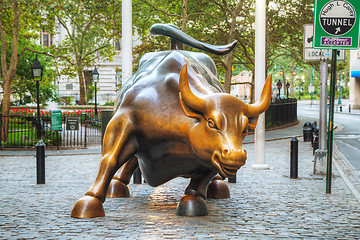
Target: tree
pixel 223 21
pixel 19 22
pixel 24 85
pixel 91 27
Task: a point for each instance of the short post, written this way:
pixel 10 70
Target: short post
pixel 349 108
pixel 137 176
pixel 40 162
pixel 294 157
pixel 232 179
pixel 106 116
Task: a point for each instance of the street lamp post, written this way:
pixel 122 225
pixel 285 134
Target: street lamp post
pixel 339 87
pixel 287 89
pixel 279 86
pixel 95 75
pixel 37 71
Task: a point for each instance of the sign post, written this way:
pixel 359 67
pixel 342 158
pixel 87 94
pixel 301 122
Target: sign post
pixel 336 26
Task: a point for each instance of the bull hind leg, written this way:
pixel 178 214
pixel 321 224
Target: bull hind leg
pixel 119 146
pixel 118 187
pixel 218 189
pixel 193 202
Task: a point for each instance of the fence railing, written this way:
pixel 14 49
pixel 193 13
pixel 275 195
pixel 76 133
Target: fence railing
pixel 21 132
pixel 281 112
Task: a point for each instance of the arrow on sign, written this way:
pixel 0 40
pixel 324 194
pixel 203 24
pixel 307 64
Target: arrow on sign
pixel 337 30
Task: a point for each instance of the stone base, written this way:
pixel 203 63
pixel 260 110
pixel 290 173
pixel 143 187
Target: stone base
pixel 320 162
pixel 260 166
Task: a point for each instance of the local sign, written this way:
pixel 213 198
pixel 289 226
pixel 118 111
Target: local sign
pixel 313 54
pixel 336 24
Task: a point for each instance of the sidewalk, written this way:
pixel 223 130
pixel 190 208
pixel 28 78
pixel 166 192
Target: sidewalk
pixel 263 205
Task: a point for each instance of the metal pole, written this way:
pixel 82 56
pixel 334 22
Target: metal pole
pixel 96 111
pixel 38 127
pixel 312 84
pixel 339 86
pixel 260 41
pixel 331 122
pixel 126 50
pixel 323 104
pixel 294 157
pixel 137 176
pixel 40 162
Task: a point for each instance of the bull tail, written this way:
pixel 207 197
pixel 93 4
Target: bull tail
pixel 179 38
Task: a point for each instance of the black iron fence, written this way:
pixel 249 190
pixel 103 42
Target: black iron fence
pixel 20 131
pixel 281 112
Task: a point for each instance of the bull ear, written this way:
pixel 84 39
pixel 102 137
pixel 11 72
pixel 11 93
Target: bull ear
pixel 252 122
pixel 192 105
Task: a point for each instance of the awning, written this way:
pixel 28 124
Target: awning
pixel 355 68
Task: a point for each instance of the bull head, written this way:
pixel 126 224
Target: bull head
pixel 222 123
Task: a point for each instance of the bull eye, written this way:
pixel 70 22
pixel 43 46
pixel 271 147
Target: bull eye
pixel 212 124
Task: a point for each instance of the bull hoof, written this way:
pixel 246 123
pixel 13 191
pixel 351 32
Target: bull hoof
pixel 88 207
pixel 117 189
pixel 218 189
pixel 191 205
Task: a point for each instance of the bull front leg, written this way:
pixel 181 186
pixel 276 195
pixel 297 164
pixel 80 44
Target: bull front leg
pixel 218 189
pixel 118 187
pixel 193 202
pixel 118 147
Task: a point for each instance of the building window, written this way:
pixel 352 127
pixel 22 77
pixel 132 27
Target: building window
pixel 117 44
pixel 69 86
pixel 46 39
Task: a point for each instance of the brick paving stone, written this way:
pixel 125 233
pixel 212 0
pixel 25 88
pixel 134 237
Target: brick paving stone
pixel 263 204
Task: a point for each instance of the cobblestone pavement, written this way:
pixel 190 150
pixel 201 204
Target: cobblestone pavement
pixel 264 204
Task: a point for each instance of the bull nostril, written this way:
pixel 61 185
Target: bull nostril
pixel 225 152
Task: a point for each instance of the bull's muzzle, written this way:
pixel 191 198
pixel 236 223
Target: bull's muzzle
pixel 228 161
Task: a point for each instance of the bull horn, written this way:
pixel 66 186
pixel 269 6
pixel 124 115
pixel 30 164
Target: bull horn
pixel 262 104
pixel 187 95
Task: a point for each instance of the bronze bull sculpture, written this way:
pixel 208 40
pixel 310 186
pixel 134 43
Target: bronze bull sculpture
pixel 173 119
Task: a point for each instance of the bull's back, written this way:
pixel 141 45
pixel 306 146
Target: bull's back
pixel 158 77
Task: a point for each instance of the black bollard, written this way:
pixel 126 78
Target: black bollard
pixel 40 162
pixel 349 108
pixel 340 108
pixel 137 176
pixel 294 157
pixel 316 139
pixel 232 180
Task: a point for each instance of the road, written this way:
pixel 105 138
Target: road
pixel 346 137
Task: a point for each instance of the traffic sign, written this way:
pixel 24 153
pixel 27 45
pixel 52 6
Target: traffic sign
pixel 312 54
pixel 336 24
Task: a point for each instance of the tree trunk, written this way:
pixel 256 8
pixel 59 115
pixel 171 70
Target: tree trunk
pixel 82 85
pixel 184 15
pixel 6 108
pixel 228 71
pixel 9 73
pixel 252 95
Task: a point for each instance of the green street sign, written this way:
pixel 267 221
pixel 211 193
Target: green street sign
pixel 336 24
pixel 56 121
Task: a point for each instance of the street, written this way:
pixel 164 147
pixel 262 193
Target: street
pixel 347 134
